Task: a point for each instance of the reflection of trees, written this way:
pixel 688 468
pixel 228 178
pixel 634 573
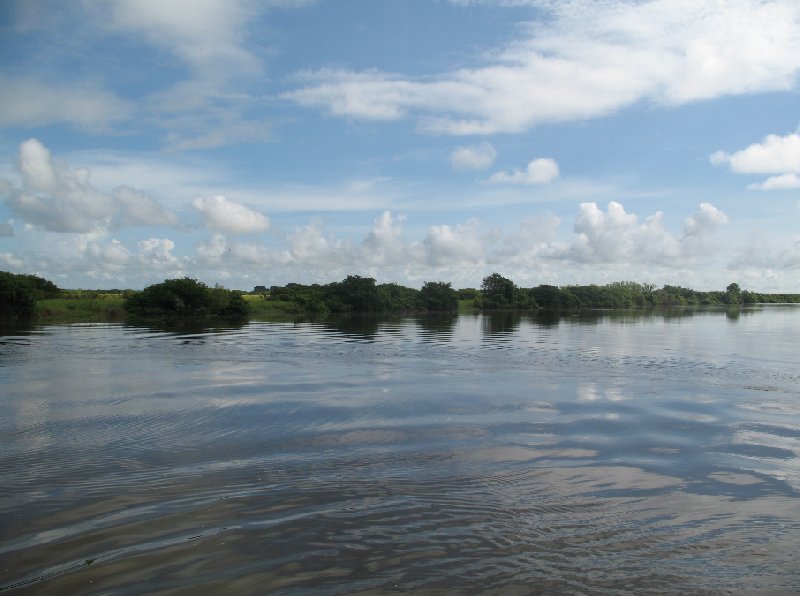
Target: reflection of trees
pixel 191 326
pixel 356 326
pixel 501 323
pixel 545 318
pixel 438 325
pixel 18 328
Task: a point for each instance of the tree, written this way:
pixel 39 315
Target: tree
pixel 19 293
pixel 497 291
pixel 439 296
pixel 354 294
pixel 395 297
pixel 186 297
pixel 733 293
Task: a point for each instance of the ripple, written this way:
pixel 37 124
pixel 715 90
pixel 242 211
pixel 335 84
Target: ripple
pixel 409 455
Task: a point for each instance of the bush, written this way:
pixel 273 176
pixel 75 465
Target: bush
pixel 19 293
pixel 186 298
pixel 439 296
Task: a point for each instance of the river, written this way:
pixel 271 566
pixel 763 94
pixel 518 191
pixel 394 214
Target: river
pixel 620 452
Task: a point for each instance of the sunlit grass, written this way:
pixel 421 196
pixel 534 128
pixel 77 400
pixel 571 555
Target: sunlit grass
pixel 260 306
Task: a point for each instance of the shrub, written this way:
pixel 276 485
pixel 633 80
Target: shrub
pixel 19 293
pixel 186 298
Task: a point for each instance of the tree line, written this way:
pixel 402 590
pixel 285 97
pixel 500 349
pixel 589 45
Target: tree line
pixel 189 298
pixel 19 294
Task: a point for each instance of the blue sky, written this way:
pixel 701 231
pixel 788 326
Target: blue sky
pixel 247 143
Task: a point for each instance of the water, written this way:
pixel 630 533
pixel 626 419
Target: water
pixel 611 452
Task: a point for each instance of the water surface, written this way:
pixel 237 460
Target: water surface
pixel 625 452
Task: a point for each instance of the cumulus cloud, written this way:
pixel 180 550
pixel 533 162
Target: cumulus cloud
pixel 476 157
pixel 782 182
pixel 63 200
pixel 616 236
pixel 706 219
pixel 384 244
pixel 454 246
pixel 229 217
pixel 158 251
pixel 6 230
pixel 539 171
pixel 58 199
pixel 774 155
pixel 588 59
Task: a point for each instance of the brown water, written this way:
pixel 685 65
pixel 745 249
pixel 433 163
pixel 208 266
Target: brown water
pixel 613 452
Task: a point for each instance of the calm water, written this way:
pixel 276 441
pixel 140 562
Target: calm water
pixel 604 453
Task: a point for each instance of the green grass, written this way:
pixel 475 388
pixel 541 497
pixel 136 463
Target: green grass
pixel 106 308
pixel 466 306
pixel 259 306
pixel 95 307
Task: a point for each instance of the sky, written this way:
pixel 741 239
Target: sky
pixel 248 143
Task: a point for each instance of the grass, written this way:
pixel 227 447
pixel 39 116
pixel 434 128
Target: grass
pixel 105 308
pixel 95 307
pixel 259 306
pixel 466 306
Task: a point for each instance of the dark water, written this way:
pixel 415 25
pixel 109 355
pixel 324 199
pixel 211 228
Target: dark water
pixel 607 453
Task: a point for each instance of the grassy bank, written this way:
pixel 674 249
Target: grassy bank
pixel 105 308
pixel 259 307
pixel 109 308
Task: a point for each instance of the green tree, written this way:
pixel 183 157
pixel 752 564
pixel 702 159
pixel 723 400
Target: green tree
pixel 547 296
pixel 439 296
pixel 19 293
pixel 497 292
pixel 354 294
pixel 733 294
pixel 397 298
pixel 184 298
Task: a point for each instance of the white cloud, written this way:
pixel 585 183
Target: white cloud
pixel 58 199
pixel 775 155
pixel 230 217
pixel 157 251
pixel 140 209
pixel 617 237
pixel 6 230
pixel 706 219
pixel 384 244
pixel 310 246
pixel 63 200
pixel 543 170
pixel 206 34
pixel 10 261
pixel 782 182
pixel 453 246
pixel 112 257
pixel 589 59
pixel 28 102
pixel 476 157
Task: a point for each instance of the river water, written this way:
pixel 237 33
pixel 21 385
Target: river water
pixel 601 453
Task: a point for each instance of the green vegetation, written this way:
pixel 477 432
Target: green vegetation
pixel 105 307
pixel 19 293
pixel 356 294
pixel 186 298
pixel 34 298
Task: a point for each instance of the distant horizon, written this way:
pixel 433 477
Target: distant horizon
pixel 264 143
